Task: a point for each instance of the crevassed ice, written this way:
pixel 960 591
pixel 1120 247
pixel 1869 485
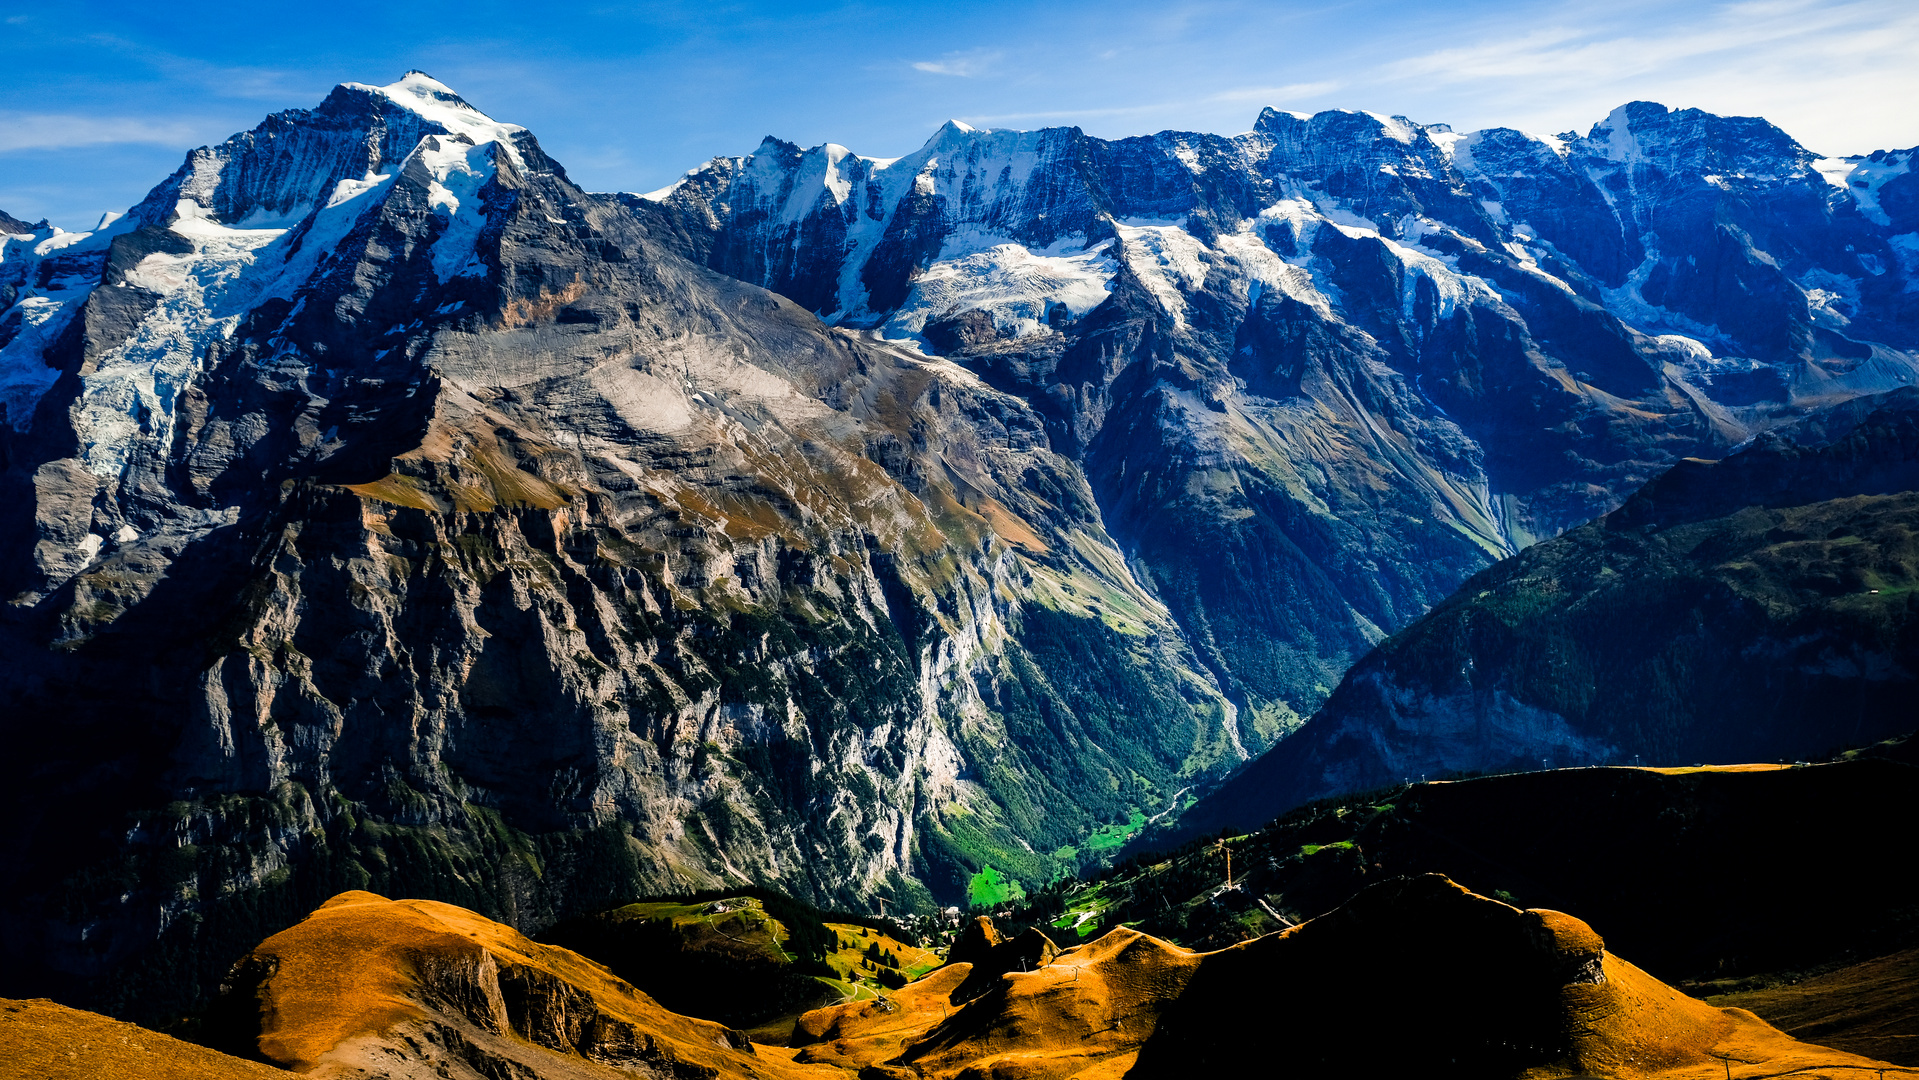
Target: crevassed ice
pixel 1013 284
pixel 1167 259
pixel 132 391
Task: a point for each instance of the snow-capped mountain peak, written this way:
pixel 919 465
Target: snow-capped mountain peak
pixel 434 100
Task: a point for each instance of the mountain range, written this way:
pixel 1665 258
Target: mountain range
pixel 383 511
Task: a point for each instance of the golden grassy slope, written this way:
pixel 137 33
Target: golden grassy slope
pixel 1867 1008
pixel 1416 977
pixel 365 979
pixel 40 1040
pixel 743 928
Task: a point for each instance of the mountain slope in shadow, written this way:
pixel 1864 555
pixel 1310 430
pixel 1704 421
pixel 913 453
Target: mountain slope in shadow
pixel 1757 608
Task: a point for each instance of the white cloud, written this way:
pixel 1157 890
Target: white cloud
pixel 1274 95
pixel 995 119
pixel 1836 75
pixel 963 64
pixel 1262 95
pixel 53 131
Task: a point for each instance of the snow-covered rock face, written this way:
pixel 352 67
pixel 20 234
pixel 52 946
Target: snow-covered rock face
pixel 1345 358
pixel 1616 211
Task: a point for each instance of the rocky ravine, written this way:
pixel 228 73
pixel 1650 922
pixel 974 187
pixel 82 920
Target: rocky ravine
pixel 382 510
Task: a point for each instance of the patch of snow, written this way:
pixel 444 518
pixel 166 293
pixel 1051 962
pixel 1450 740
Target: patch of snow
pixel 661 194
pixel 834 181
pixel 1184 153
pixel 1867 176
pixel 1617 141
pixel 60 240
pixel 1015 285
pixel 133 389
pixel 1554 143
pixel 1693 348
pixel 1264 269
pixel 1396 128
pixel 1835 170
pixel 1632 308
pixel 1451 288
pixel 458 171
pixel 437 102
pixel 1449 142
pixel 1168 260
pixel 24 377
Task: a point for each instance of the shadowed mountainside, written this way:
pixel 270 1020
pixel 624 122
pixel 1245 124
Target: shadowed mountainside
pixel 1763 607
pixel 1702 874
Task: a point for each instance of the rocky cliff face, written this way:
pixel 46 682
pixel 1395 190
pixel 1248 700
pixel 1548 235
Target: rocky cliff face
pixel 1318 373
pixel 384 510
pixel 1758 608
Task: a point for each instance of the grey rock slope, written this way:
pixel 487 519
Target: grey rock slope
pixel 384 511
pixel 1319 373
pixel 16 227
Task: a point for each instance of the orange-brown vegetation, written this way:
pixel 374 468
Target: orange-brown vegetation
pixel 40 1040
pixel 1869 1008
pixel 1415 977
pixel 1682 770
pixel 471 464
pixel 413 987
pixel 1412 977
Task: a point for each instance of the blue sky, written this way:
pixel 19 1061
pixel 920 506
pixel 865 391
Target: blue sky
pixel 99 100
